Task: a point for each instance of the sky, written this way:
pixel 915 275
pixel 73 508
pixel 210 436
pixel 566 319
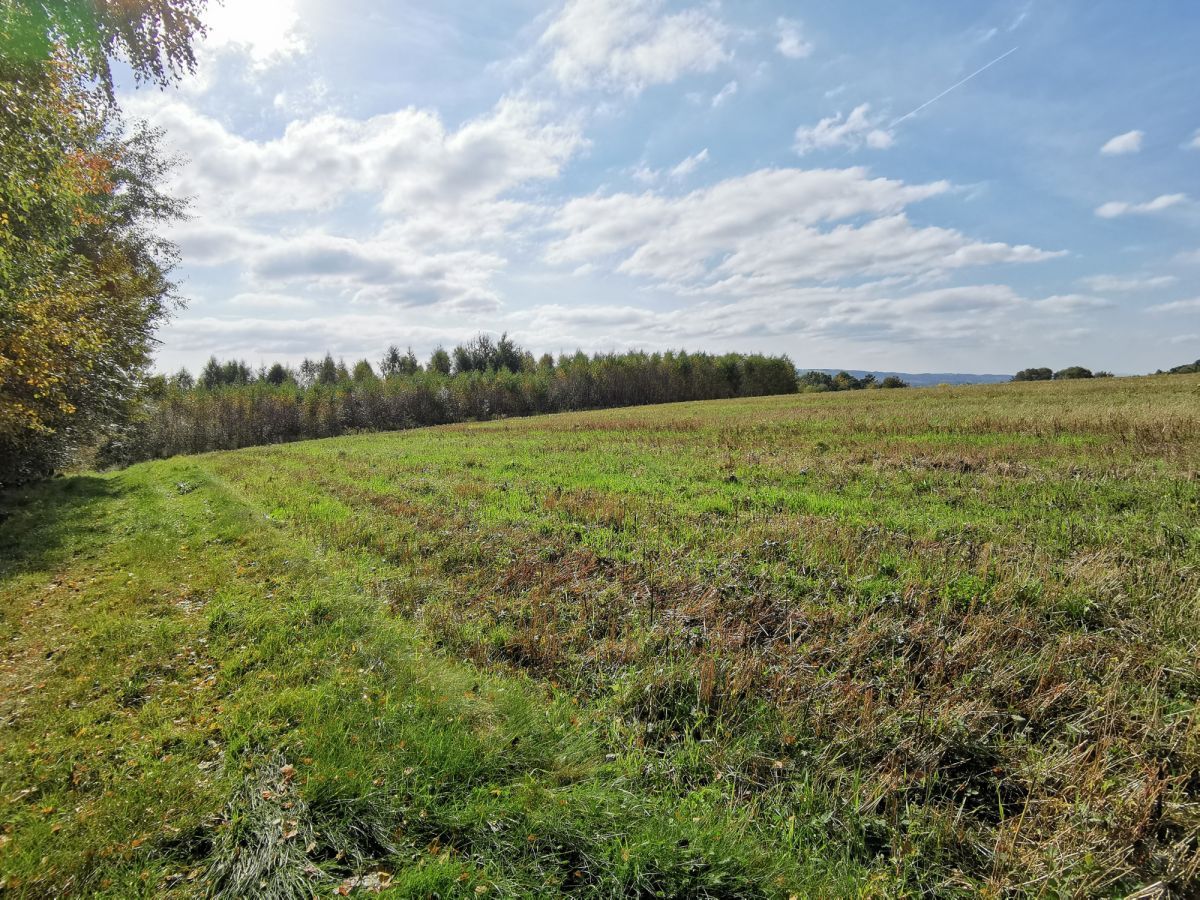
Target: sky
pixel 922 186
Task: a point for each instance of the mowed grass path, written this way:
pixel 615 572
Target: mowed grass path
pixel 885 643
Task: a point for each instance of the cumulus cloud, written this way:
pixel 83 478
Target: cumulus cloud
pixel 430 204
pixel 267 31
pixel 769 231
pixel 628 45
pixel 1124 144
pixel 210 241
pixel 1116 208
pixel 791 40
pixel 380 271
pixel 317 232
pixel 406 161
pixel 853 132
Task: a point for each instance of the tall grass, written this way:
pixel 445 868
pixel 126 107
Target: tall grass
pixel 883 643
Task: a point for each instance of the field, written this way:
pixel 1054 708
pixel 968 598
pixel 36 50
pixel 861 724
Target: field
pixel 887 643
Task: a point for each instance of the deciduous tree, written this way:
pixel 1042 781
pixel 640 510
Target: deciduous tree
pixel 83 277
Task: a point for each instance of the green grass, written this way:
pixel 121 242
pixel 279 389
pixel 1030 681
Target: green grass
pixel 889 643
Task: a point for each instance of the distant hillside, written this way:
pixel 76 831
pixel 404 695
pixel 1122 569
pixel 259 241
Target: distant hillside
pixel 922 379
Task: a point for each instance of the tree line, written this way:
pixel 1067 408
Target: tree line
pixel 229 405
pixel 1067 374
pixel 1074 372
pixel 819 382
pixel 84 277
pixel 1185 369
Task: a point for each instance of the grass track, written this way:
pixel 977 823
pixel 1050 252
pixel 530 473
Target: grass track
pixel 879 644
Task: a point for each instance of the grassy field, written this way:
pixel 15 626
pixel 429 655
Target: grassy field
pixel 888 643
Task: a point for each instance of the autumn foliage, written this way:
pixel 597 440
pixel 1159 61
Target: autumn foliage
pixel 83 279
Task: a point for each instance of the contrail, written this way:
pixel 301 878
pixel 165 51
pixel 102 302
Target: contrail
pixel 953 87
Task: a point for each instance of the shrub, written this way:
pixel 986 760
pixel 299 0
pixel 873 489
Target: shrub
pixel 1042 374
pixel 1072 372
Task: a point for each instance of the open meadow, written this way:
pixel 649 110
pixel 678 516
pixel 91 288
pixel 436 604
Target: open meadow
pixel 879 643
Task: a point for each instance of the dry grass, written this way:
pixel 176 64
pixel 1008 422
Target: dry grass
pixel 947 638
pixel 972 610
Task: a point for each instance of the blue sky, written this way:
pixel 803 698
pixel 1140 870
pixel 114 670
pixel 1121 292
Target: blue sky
pixel 720 176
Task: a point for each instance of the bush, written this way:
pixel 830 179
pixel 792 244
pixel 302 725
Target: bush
pixel 1186 369
pixel 1072 372
pixel 817 382
pixel 1042 374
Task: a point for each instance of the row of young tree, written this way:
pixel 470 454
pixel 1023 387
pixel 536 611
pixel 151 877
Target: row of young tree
pixel 481 354
pixel 231 406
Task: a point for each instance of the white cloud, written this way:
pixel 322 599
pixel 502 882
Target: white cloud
pixel 628 45
pixel 274 338
pixel 430 208
pixel 1021 16
pixel 791 40
pixel 1177 306
pixel 268 31
pixel 1115 208
pixel 852 133
pixel 406 163
pixel 316 230
pixel 1120 284
pixel 977 314
pixel 266 300
pixel 1124 144
pixel 1194 144
pixel 209 241
pixel 690 165
pixel 303 99
pixel 1188 257
pixel 378 270
pixel 643 174
pixel 724 94
pixel 1073 303
pixel 293 269
pixel 761 234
